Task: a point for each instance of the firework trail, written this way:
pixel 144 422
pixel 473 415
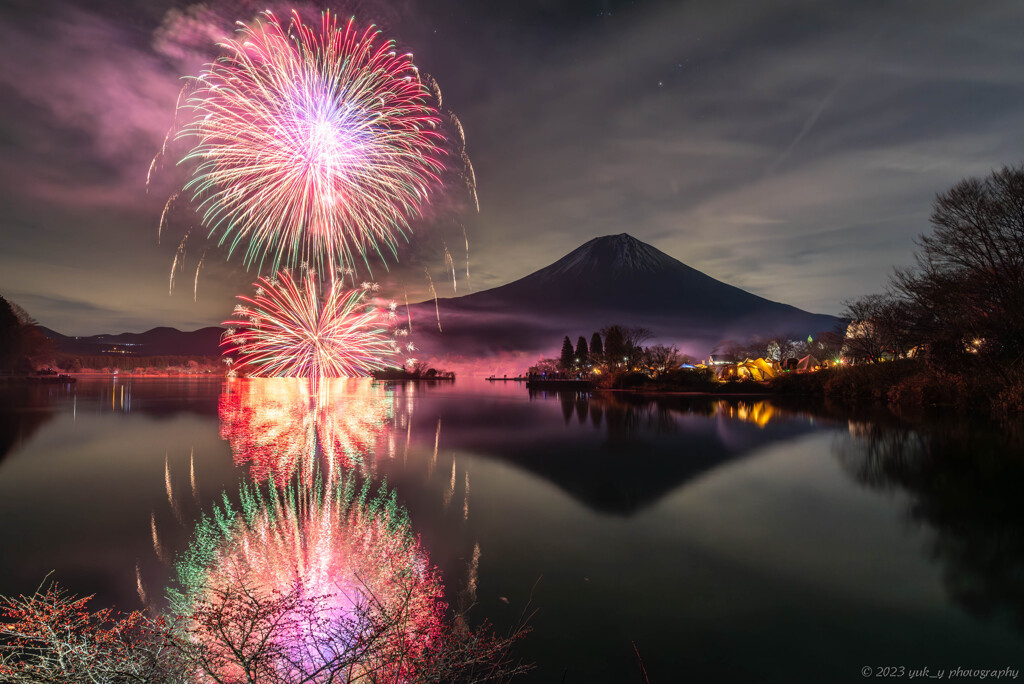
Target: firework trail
pixel 170 493
pixel 287 329
pixel 433 293
pixel 167 481
pixel 471 179
pixel 468 174
pixel 458 127
pixel 149 174
pixel 449 264
pixel 138 584
pixel 450 492
pixel 472 577
pixel 469 283
pixel 158 548
pixel 192 474
pixel 362 588
pixel 435 89
pixel 195 285
pixel 167 137
pixel 313 143
pixel 179 257
pixel 163 216
pixel 408 312
pixel 437 441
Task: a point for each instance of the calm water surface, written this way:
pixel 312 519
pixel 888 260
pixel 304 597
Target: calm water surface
pixel 726 541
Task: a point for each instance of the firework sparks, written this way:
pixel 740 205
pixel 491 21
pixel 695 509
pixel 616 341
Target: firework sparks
pixel 314 143
pixel 289 330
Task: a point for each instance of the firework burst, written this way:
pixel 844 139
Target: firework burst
pixel 313 143
pixel 289 329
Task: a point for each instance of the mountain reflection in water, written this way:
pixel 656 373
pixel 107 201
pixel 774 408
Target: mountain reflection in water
pixel 726 524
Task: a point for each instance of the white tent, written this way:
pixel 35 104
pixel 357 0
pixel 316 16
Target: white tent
pixel 807 364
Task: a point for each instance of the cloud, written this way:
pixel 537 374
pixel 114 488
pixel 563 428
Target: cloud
pixel 830 127
pixel 792 148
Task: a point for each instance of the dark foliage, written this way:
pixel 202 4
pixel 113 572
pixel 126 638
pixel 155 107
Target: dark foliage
pixel 581 350
pixel 567 355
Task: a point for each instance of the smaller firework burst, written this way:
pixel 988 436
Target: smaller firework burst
pixel 307 329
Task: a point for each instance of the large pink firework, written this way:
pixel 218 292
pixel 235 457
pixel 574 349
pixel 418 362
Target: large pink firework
pixel 307 329
pixel 315 144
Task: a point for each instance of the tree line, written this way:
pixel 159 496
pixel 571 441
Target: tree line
pixel 959 308
pixel 615 348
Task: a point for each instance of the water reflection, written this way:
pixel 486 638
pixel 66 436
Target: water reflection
pixel 671 520
pixel 317 567
pixel 307 580
pixel 964 480
pixel 276 425
pixel 24 409
pixel 622 452
pixel 637 411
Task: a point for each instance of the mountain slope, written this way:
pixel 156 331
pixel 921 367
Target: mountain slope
pixel 611 279
pixel 155 342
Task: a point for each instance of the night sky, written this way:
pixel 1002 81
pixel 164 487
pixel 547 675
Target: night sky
pixel 790 148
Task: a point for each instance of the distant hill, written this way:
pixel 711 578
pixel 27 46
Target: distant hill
pixel 611 279
pixel 155 342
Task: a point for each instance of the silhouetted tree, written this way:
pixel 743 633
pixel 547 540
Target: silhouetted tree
pixel 596 348
pixel 9 336
pixel 877 328
pixel 565 360
pixel 614 345
pixel 581 350
pixel 659 359
pixel 635 338
pixel 965 295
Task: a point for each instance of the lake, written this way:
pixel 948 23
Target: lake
pixel 694 539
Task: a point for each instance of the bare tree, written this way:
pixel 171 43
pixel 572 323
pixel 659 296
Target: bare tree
pixel 965 294
pixel 52 636
pixel 878 328
pixel 659 359
pixel 240 633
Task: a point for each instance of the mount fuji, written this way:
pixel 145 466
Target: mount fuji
pixel 608 280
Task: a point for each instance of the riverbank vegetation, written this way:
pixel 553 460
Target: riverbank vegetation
pixel 954 321
pixel 948 331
